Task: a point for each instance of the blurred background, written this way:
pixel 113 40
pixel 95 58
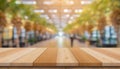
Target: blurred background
pixel 59 23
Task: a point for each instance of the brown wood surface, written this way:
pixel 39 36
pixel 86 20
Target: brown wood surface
pixel 61 68
pixel 109 53
pixel 48 58
pixel 60 57
pixel 84 58
pixel 66 58
pixel 105 59
pixel 9 56
pixel 28 59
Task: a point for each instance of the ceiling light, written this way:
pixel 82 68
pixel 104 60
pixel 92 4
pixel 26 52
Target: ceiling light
pixel 71 2
pixel 44 16
pixel 71 18
pixel 18 2
pixel 67 10
pixel 28 2
pixel 48 2
pixel 69 22
pixel 78 10
pixel 67 15
pixel 85 2
pixel 26 17
pixel 53 11
pixel 54 16
pixel 37 11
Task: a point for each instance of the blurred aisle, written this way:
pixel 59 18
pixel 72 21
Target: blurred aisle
pixel 59 42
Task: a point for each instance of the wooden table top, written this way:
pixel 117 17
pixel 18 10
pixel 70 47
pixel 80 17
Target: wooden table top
pixel 59 56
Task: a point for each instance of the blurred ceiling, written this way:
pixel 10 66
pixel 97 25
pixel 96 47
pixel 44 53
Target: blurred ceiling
pixel 59 12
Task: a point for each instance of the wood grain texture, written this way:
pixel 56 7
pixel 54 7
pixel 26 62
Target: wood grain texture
pixel 9 56
pixel 84 58
pixel 59 57
pixel 66 58
pixel 37 68
pixel 5 49
pixel 28 59
pixel 4 68
pixel 92 68
pixel 108 53
pixel 112 55
pixel 48 58
pixel 106 60
pixel 60 68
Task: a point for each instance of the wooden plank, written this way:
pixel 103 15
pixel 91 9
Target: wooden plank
pixel 7 57
pixel 28 59
pixel 3 67
pixel 84 58
pixel 93 67
pixel 66 58
pixel 59 57
pixel 61 67
pixel 9 52
pixel 29 67
pixel 108 53
pixel 5 49
pixel 48 58
pixel 106 60
pixel 115 51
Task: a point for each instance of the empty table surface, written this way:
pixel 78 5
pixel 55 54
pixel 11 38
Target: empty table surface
pixel 60 56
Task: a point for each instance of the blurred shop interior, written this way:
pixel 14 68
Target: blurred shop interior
pixel 59 23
